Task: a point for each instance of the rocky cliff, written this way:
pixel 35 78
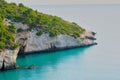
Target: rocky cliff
pixel 30 42
pixel 8 59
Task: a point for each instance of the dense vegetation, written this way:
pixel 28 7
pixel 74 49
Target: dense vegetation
pixel 44 23
pixel 7 37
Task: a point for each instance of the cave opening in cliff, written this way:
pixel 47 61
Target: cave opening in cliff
pixel 3 66
pixel 22 49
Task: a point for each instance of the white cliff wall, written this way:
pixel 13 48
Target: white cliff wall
pixel 35 43
pixel 8 59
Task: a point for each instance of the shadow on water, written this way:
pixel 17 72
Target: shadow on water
pixel 42 60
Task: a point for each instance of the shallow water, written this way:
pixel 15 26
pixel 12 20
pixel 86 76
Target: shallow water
pixel 100 62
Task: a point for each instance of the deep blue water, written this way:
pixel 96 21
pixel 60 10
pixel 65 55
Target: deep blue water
pixel 100 62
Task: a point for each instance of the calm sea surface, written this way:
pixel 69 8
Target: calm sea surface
pixel 100 62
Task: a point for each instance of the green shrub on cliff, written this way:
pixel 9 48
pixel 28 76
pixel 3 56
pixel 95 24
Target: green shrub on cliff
pixel 39 33
pixel 2 45
pixel 20 30
pixel 7 36
pixel 11 28
pixel 15 45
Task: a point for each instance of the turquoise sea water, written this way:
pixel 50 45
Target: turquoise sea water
pixel 100 62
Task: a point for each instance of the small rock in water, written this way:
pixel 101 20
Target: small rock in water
pixel 16 66
pixel 31 67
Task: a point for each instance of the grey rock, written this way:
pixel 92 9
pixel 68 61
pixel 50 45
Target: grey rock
pixel 30 42
pixel 8 59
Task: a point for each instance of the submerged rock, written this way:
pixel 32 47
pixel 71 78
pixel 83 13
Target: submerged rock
pixel 26 67
pixel 31 67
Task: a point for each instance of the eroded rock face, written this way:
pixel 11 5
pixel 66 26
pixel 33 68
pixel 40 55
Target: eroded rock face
pixel 8 59
pixel 30 42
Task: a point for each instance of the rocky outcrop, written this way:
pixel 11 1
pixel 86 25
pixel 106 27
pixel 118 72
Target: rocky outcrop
pixel 8 59
pixel 30 42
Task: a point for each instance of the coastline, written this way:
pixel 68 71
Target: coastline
pixel 88 41
pixel 57 49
